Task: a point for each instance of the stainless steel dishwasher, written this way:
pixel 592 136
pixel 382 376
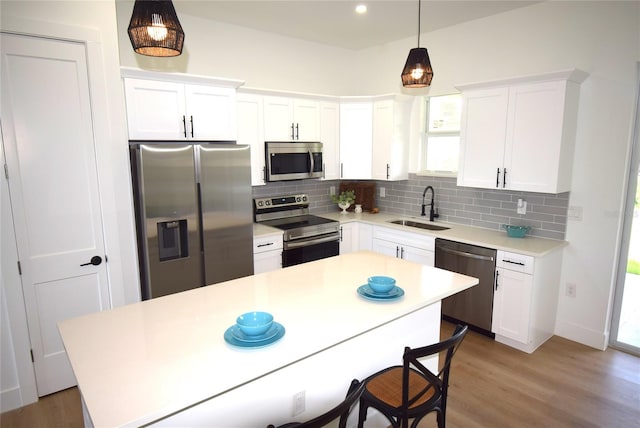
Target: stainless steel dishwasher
pixel 473 306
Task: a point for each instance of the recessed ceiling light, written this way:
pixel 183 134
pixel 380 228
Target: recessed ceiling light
pixel 361 8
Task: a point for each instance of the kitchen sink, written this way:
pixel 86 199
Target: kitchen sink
pixel 418 224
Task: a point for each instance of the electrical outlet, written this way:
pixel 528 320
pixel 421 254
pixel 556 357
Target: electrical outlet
pixel 332 190
pixel 298 403
pixel 383 192
pixel 570 291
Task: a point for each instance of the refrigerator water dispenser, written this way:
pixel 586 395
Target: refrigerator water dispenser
pixel 172 240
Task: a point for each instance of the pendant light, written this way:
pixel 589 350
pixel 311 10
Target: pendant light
pixel 417 71
pixel 154 28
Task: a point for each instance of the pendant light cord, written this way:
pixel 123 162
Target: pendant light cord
pixel 419 7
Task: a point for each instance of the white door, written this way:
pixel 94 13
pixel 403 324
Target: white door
pixel 48 140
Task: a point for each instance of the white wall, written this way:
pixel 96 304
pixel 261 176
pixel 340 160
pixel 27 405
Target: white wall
pixel 260 59
pixel 95 23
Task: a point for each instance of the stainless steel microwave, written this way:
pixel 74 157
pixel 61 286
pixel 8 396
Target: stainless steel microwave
pixel 293 160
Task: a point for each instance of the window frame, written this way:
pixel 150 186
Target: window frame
pixel 425 134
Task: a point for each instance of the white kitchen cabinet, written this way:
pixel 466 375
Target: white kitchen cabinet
pixel 390 147
pixel 291 119
pixel 169 110
pixel 365 236
pixel 348 237
pixel 409 246
pixel 267 253
pixel 525 299
pixel 330 138
pixel 519 134
pixel 356 134
pixel 251 131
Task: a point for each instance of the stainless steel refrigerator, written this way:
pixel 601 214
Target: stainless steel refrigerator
pixel 194 215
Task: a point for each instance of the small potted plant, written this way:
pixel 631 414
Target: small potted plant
pixel 344 199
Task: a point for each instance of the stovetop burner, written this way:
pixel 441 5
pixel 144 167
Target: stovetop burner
pixel 291 214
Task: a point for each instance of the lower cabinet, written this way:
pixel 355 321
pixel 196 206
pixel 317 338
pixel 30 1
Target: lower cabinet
pixel 267 253
pixel 525 299
pixel 348 237
pixel 413 247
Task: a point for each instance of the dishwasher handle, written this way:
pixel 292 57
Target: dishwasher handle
pixel 466 254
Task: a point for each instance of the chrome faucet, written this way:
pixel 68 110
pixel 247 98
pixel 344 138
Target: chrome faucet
pixel 432 212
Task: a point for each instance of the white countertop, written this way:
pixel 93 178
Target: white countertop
pixel 499 240
pixel 138 363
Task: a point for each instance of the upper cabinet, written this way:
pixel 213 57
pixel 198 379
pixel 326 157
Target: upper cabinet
pixel 519 134
pixel 251 132
pixel 374 138
pixel 167 110
pixel 356 136
pixel 330 138
pixel 291 119
pixel 390 160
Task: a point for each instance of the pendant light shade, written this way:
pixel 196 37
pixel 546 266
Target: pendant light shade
pixel 417 71
pixel 154 29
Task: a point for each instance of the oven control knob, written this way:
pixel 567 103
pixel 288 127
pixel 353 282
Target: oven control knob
pixel 304 198
pixel 260 203
pixel 268 203
pixel 297 198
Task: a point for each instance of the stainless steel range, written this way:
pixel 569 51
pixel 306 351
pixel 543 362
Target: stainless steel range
pixel 306 237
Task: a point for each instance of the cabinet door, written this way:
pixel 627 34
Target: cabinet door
pixel 306 120
pixel 330 138
pixel 211 113
pixel 482 138
pixel 356 133
pixel 417 255
pixel 250 131
pixel 534 136
pixel 385 247
pixel 278 119
pixel 155 110
pixel 267 261
pixel 382 140
pixel 348 235
pixel 512 305
pixel 365 237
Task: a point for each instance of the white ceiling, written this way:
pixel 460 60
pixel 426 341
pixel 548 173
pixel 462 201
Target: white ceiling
pixel 335 23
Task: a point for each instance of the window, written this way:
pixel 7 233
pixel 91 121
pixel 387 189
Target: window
pixel 442 134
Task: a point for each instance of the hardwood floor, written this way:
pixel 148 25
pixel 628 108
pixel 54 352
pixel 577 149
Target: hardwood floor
pixel 563 384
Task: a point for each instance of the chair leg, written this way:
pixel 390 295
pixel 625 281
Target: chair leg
pixel 440 418
pixel 362 414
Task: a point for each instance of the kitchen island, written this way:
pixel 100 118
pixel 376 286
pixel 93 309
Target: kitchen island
pixel 165 362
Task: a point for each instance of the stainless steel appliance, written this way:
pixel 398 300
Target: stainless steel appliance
pixel 193 214
pixel 475 305
pixel 293 160
pixel 306 237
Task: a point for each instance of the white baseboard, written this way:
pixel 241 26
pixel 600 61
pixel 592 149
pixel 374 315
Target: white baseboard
pixel 10 399
pixel 577 333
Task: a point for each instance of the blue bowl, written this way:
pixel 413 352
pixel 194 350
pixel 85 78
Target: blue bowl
pixel 381 284
pixel 516 231
pixel 254 323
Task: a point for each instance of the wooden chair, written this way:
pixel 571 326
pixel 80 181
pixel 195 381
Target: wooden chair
pixel 411 391
pixel 341 411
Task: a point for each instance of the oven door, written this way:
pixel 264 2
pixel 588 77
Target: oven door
pixel 293 161
pixel 310 249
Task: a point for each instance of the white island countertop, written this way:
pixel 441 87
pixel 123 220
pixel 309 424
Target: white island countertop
pixel 139 363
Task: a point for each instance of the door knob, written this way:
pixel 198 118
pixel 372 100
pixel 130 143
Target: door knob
pixel 95 260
